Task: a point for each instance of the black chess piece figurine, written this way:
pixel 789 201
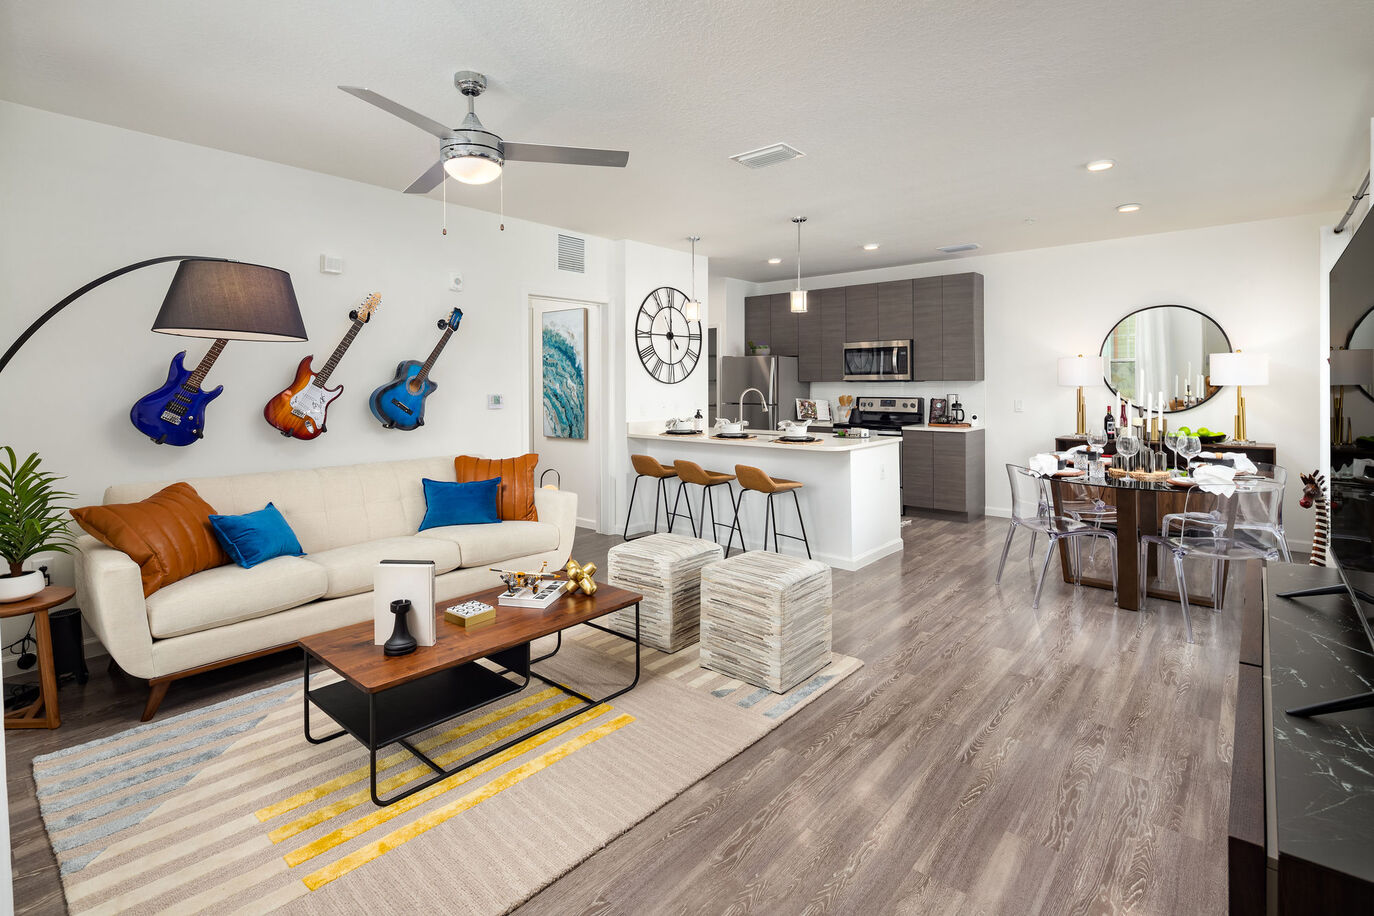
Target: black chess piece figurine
pixel 401 642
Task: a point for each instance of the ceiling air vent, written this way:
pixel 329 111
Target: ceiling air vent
pixel 956 249
pixel 572 253
pixel 765 156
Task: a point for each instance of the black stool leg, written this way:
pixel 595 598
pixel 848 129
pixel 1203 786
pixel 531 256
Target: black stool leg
pixel 735 525
pixel 767 514
pixel 796 502
pixel 658 494
pixel 705 491
pixel 629 511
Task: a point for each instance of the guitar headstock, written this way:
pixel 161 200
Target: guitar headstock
pixel 452 321
pixel 370 304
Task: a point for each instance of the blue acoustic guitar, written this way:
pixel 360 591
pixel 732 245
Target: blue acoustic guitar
pixel 175 413
pixel 400 403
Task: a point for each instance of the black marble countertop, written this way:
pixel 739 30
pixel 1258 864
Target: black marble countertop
pixel 1323 766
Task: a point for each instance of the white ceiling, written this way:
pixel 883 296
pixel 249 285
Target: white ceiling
pixel 924 123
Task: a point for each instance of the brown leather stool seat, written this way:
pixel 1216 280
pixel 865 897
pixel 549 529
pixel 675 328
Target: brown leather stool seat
pixel 691 472
pixel 758 480
pixel 647 466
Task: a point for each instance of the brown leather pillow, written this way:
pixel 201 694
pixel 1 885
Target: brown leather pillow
pixel 515 498
pixel 168 534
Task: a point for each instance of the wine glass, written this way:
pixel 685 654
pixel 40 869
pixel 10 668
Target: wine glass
pixel 1097 441
pixel 1126 446
pixel 1171 443
pixel 1189 447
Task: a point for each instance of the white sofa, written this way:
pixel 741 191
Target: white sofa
pixel 347 518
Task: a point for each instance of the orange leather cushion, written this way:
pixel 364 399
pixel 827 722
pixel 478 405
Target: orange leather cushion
pixel 515 499
pixel 168 534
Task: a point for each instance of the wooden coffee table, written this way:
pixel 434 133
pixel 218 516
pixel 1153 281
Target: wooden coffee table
pixel 383 700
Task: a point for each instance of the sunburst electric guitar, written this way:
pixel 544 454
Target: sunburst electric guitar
pixel 300 410
pixel 400 403
pixel 175 413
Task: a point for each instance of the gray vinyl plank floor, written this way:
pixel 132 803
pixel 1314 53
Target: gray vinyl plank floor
pixel 989 758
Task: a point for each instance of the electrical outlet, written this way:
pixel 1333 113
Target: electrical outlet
pixel 1018 406
pixel 455 282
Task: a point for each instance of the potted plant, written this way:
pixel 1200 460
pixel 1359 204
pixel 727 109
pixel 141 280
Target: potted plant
pixel 31 522
pixel 758 349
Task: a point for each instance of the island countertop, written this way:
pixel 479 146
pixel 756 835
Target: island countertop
pixel 766 439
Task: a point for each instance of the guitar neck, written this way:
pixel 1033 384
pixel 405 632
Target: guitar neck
pixel 208 360
pixel 434 354
pixel 322 377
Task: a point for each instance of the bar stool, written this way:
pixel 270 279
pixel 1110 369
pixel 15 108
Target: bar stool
pixel 691 472
pixel 751 478
pixel 645 466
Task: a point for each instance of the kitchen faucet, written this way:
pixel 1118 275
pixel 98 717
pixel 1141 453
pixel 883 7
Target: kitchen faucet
pixel 762 400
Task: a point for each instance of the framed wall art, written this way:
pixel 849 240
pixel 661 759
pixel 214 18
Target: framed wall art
pixel 565 373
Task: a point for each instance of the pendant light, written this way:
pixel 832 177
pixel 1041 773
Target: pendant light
pixel 799 294
pixel 692 310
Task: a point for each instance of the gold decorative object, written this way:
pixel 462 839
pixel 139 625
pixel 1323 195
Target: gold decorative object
pixel 580 578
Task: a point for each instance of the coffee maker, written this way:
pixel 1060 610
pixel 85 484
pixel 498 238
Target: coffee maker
pixel 954 411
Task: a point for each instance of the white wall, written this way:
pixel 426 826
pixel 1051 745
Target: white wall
pixel 1259 280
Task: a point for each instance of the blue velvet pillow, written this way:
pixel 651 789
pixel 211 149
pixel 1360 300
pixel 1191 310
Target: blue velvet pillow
pixel 256 537
pixel 460 503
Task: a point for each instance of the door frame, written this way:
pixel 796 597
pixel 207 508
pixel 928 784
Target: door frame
pixel 598 390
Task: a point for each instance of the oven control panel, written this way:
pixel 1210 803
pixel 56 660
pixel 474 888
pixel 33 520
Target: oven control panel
pixel 892 405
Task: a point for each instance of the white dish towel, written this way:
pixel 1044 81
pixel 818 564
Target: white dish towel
pixel 1043 464
pixel 1215 478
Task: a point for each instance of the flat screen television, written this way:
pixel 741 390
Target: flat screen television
pixel 1350 549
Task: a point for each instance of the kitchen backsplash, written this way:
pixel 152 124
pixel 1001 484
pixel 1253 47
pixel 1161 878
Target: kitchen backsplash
pixel 971 394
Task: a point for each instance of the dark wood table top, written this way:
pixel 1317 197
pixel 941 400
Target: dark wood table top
pixel 47 599
pixel 350 650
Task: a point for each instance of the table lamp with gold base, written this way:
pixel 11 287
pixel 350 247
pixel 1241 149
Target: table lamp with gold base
pixel 1239 369
pixel 1076 372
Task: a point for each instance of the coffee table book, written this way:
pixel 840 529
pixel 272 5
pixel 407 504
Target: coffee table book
pixel 382 701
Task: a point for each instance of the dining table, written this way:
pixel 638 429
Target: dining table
pixel 1140 509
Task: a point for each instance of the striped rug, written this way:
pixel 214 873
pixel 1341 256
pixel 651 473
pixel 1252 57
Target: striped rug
pixel 229 810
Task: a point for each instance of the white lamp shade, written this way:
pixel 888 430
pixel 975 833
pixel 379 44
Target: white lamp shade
pixel 472 169
pixel 1239 369
pixel 691 310
pixel 798 300
pixel 1080 371
pixel 1352 367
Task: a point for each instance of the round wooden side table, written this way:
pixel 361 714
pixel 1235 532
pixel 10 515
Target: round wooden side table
pixel 38 606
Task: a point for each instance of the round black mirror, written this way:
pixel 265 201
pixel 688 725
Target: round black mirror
pixel 1164 348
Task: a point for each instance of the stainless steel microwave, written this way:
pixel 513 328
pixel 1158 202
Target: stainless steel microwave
pixel 877 361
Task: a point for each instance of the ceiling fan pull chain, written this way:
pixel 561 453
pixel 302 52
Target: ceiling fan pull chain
pixel 502 181
pixel 444 183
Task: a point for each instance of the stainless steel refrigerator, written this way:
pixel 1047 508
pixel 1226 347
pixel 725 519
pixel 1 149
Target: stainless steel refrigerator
pixel 775 377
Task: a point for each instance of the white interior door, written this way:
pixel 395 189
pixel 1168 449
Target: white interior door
pixel 573 350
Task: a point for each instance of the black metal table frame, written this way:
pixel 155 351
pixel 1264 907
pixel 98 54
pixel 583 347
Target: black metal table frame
pixel 441 773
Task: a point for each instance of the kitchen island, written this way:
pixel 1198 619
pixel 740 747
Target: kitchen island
pixel 851 501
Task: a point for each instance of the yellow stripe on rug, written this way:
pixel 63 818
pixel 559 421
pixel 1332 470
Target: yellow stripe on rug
pixel 391 760
pixel 320 815
pixel 382 815
pixel 398 837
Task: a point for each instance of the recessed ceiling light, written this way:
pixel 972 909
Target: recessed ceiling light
pixel 871 246
pixel 775 260
pixel 1100 165
pixel 1128 208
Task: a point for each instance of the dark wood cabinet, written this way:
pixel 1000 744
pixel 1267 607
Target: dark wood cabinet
pixel 961 330
pixel 809 368
pixel 861 312
pixel 894 310
pixel 832 308
pixel 758 320
pixel 927 318
pixel 783 326
pixel 943 470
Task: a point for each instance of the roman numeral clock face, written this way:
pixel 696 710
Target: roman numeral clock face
pixel 669 345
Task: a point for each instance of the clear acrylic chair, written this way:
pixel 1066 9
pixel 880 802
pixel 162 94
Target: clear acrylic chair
pixel 1032 509
pixel 1083 502
pixel 1263 528
pixel 1237 526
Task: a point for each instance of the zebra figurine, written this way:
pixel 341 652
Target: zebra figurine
pixel 1314 495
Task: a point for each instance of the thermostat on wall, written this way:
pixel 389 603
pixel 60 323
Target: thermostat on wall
pixel 494 402
pixel 330 264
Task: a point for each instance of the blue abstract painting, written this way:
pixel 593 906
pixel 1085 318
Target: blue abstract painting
pixel 565 374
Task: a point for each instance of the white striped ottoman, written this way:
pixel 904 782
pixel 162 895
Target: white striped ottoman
pixel 765 619
pixel 666 570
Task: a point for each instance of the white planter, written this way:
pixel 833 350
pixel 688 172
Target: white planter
pixel 21 587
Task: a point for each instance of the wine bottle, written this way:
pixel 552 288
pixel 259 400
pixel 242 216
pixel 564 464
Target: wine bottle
pixel 1109 424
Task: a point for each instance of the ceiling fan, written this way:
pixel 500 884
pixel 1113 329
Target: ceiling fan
pixel 471 153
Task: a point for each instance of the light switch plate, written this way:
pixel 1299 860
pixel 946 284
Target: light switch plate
pixel 1018 406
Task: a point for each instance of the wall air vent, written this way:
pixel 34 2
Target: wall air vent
pixel 572 253
pixel 956 249
pixel 765 156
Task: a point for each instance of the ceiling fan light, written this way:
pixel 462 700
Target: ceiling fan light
pixel 472 169
pixel 799 300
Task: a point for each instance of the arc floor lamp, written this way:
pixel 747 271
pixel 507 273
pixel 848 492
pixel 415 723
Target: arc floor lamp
pixel 208 297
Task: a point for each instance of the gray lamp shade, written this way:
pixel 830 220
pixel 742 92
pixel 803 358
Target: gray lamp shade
pixel 231 300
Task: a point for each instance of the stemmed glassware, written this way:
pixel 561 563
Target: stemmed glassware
pixel 1126 446
pixel 1097 444
pixel 1171 443
pixel 1189 447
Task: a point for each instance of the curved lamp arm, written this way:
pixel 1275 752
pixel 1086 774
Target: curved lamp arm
pixel 43 319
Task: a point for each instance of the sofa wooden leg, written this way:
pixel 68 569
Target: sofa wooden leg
pixel 156 691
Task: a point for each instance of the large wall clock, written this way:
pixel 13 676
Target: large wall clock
pixel 669 345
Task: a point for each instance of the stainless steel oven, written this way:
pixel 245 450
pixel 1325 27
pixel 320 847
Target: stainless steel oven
pixel 877 361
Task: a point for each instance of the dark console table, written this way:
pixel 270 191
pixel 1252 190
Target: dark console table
pixel 1302 790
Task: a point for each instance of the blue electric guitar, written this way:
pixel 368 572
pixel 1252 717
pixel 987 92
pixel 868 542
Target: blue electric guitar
pixel 175 413
pixel 400 403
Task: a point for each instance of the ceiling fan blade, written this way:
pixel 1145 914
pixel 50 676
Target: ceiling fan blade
pixel 428 181
pixel 405 114
pixel 566 155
